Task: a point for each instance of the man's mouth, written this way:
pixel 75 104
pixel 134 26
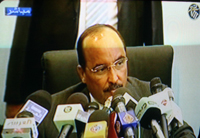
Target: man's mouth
pixel 112 88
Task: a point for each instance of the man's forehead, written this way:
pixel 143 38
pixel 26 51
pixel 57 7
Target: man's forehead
pixel 105 38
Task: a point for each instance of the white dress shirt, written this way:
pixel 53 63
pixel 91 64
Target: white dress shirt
pixel 107 16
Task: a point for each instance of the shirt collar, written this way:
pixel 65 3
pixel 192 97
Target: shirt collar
pixel 94 100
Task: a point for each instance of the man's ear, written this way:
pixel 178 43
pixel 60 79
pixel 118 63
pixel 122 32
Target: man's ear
pixel 81 73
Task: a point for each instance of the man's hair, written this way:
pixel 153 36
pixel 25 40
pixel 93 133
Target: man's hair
pixel 90 31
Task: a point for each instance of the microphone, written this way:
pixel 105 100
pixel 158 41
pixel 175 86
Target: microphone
pixel 130 105
pixel 64 118
pixel 96 130
pixel 168 107
pixel 149 114
pixel 82 117
pixel 97 125
pixel 174 115
pixel 24 114
pixel 100 118
pixel 91 107
pixel 99 122
pixel 127 119
pixel 112 118
pixel 156 87
pixel 20 127
pixel 104 113
pixel 111 129
pixel 99 115
pixel 78 98
pixel 38 103
pixel 130 102
pixel 32 113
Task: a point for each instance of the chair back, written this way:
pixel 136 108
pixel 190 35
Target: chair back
pixel 144 62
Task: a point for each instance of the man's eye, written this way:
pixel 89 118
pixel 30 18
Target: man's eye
pixel 100 68
pixel 119 63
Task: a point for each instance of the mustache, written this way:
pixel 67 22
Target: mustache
pixel 112 86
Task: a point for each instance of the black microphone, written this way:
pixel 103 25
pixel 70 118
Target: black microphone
pixel 159 108
pixel 172 112
pixel 97 125
pixel 38 103
pixel 127 119
pixel 99 121
pixel 82 117
pixel 65 114
pixel 156 87
pixel 174 117
pixel 91 107
pixel 78 98
pixel 24 114
pixel 149 114
pixel 99 115
pixel 33 112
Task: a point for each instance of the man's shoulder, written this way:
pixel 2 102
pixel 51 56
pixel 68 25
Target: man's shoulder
pixel 135 81
pixel 63 95
pixel 138 88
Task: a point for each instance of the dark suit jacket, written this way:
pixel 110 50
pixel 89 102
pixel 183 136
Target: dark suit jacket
pixel 138 89
pixel 47 129
pixel 54 26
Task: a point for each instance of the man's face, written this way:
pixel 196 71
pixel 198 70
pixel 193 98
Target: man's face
pixel 106 67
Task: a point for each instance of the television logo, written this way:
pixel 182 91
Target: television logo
pixel 193 11
pixel 18 11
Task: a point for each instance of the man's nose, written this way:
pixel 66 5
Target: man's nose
pixel 112 75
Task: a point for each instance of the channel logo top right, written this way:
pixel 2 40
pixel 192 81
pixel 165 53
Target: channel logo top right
pixel 193 11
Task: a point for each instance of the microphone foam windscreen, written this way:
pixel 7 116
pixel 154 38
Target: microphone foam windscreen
pixel 155 83
pixel 92 105
pixel 41 97
pixel 99 115
pixel 118 96
pixel 120 91
pixel 77 98
pixel 25 114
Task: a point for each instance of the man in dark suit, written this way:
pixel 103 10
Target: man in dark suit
pixel 54 26
pixel 102 69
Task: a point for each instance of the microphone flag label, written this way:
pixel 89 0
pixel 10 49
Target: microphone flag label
pixel 95 129
pixel 65 114
pixel 162 99
pixel 67 109
pixel 38 111
pixel 128 118
pixel 20 126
